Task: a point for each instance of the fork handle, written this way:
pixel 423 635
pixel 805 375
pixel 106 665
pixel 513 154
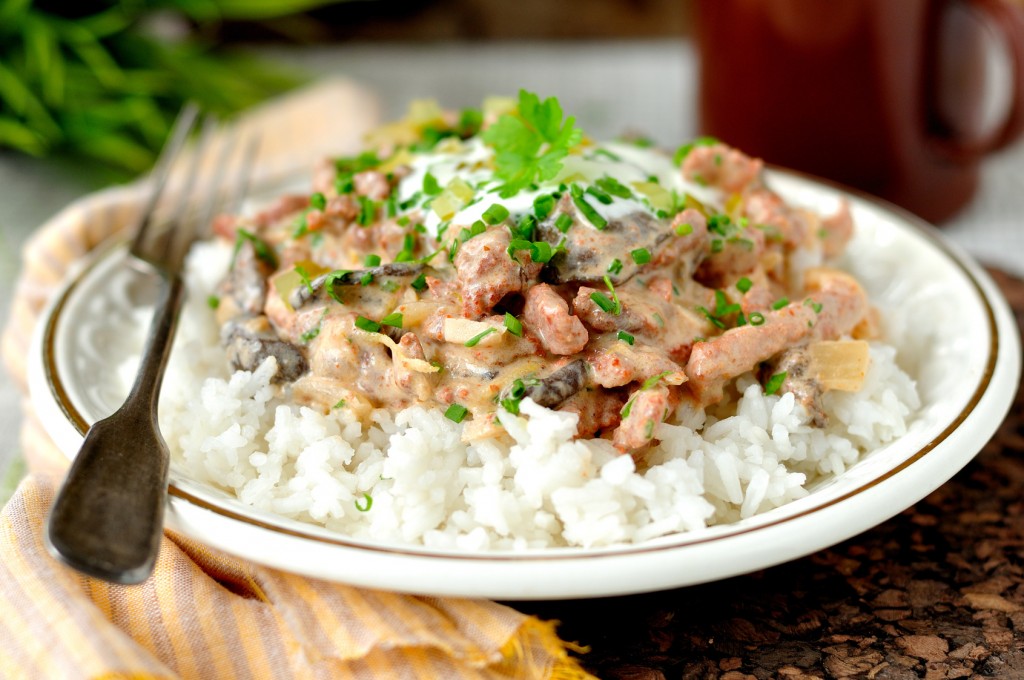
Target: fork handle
pixel 107 519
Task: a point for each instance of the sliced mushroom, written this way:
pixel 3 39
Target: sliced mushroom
pixel 557 386
pixel 250 340
pixel 304 295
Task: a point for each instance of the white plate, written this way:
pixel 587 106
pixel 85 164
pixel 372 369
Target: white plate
pixel 966 357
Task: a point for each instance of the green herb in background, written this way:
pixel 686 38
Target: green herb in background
pixel 104 81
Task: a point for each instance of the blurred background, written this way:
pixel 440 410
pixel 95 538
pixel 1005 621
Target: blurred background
pixel 88 89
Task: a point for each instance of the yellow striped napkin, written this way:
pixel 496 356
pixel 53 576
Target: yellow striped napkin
pixel 205 614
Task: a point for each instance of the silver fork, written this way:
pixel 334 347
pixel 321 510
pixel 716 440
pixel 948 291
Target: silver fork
pixel 108 517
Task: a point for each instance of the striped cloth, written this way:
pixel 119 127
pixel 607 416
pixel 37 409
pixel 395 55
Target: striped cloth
pixel 205 614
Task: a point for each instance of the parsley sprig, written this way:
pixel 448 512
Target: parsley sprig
pixel 530 144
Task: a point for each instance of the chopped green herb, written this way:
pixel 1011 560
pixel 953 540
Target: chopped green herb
pixel 614 187
pixel 420 282
pixel 394 319
pixel 318 201
pixel 654 380
pixel 615 267
pixel 585 208
pixel 304 276
pixel 367 503
pixel 212 301
pixel 514 325
pixel 640 255
pixel 600 195
pixel 366 279
pixel 332 279
pixel 683 151
pixel 744 284
pixel 602 301
pixel 389 286
pixel 371 260
pixel 430 185
pixel 511 405
pixel 367 211
pixel 456 412
pixel 816 306
pixel 716 245
pixel 715 321
pixel 368 325
pixel 543 205
pixel 658 320
pixel 475 340
pixel 719 224
pixel 615 296
pixel 780 303
pixel 310 334
pixel 340 404
pixel 262 249
pixel 563 222
pixel 496 214
pixel 684 229
pixel 607 154
pixel 625 337
pixel 649 429
pixel 774 383
pixel 756 318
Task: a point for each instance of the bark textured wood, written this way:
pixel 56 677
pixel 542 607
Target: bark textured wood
pixel 936 592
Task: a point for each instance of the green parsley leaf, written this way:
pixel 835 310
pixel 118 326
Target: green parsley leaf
pixel 530 144
pixel 394 319
pixel 514 325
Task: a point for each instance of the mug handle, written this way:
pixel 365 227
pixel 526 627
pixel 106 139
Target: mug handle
pixel 1009 19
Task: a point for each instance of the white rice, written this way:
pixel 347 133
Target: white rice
pixel 408 478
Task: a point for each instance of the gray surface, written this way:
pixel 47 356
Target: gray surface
pixel 649 84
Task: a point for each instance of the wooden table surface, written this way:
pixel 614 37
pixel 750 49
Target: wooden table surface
pixel 935 592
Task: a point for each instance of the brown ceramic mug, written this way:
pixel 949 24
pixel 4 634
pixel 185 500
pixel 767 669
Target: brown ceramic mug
pixel 884 95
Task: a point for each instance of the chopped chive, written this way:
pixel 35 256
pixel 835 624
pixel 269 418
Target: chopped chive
pixel 543 205
pixel 389 286
pixel 711 317
pixel 756 318
pixel 626 337
pixel 496 214
pixel 456 412
pixel 510 405
pixel 331 279
pixel 658 320
pixel 649 429
pixel 212 301
pixel 601 196
pixel 614 187
pixel 607 154
pixel 475 340
pixel 602 301
pixel 371 260
pixel 684 229
pixel 816 306
pixel 318 201
pixel 394 319
pixel 615 296
pixel 518 390
pixel 340 404
pixel 584 207
pixel 743 285
pixel 420 282
pixel 430 185
pixel 780 303
pixel 774 383
pixel 367 503
pixel 366 279
pixel 654 380
pixel 716 245
pixel 514 325
pixel 368 325
pixel 309 335
pixel 624 413
pixel 615 267
pixel 367 211
pixel 719 224
pixel 540 251
pixel 563 222
pixel 640 255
